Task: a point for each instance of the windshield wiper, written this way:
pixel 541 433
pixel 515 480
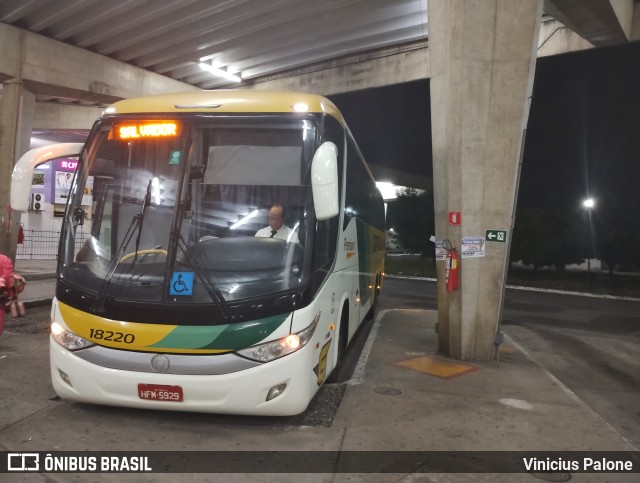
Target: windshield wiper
pixel 145 203
pixel 135 225
pixel 211 289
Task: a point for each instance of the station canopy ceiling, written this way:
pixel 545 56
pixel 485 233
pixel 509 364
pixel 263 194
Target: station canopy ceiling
pixel 250 39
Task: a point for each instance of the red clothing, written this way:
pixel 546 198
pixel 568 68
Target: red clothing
pixel 7 284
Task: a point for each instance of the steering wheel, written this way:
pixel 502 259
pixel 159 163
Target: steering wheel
pixel 150 251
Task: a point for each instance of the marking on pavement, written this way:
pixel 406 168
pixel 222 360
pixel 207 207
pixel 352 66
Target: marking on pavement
pixel 572 395
pixel 533 289
pixel 436 367
pixel 517 403
pixel 358 372
pixel 506 348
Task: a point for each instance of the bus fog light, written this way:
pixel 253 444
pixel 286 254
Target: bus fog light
pixel 65 377
pixel 275 391
pixel 68 339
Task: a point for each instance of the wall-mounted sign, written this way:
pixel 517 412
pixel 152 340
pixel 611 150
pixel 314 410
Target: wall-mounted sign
pixel 37 180
pixel 472 247
pixel 68 164
pixel 499 236
pixel 454 218
pixel 63 186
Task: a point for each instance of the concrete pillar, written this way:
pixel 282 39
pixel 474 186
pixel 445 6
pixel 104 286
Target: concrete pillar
pixel 17 106
pixel 635 24
pixel 482 59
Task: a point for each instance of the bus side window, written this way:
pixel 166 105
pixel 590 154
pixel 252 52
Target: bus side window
pixel 324 250
pixel 325 242
pixel 355 204
pixel 363 200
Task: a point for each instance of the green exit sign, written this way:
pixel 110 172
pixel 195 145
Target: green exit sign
pixel 499 236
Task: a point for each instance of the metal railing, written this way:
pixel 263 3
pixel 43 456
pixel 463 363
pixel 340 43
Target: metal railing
pixel 43 244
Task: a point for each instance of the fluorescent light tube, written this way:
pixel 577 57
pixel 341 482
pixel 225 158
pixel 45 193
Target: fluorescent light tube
pixel 219 72
pixel 244 220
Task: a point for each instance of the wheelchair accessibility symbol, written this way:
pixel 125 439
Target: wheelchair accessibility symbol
pixel 181 283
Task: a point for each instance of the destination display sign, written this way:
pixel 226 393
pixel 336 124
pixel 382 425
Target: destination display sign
pixel 145 129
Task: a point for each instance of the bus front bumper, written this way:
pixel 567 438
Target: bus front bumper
pixel 242 392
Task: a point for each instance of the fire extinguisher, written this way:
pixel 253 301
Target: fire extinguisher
pixel 453 265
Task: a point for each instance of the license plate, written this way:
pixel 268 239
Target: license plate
pixel 160 392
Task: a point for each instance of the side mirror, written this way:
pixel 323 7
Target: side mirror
pixel 324 181
pixel 23 170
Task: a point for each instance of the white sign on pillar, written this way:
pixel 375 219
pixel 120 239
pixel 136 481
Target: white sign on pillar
pixel 472 247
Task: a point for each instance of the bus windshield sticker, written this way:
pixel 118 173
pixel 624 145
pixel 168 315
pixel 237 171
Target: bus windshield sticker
pixel 174 157
pixel 181 283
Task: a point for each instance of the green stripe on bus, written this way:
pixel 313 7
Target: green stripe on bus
pixel 246 334
pixel 190 337
pixel 221 337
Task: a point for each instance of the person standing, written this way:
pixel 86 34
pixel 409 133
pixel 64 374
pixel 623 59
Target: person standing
pixel 11 284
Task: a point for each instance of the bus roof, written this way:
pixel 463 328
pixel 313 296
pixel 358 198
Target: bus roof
pixel 227 101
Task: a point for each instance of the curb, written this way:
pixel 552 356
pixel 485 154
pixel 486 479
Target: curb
pixel 37 302
pixel 37 276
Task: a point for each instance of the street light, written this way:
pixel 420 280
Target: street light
pixel 589 204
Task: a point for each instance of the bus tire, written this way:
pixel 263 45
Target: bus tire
pixel 343 338
pixel 374 303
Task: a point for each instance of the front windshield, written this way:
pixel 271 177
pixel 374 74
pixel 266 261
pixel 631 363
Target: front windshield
pixel 216 210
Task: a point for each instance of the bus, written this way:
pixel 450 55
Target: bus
pixel 172 302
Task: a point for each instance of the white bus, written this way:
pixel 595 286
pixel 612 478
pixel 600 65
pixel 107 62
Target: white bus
pixel 173 302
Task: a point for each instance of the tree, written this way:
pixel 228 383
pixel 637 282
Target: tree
pixel 617 248
pixel 542 238
pixel 615 233
pixel 411 215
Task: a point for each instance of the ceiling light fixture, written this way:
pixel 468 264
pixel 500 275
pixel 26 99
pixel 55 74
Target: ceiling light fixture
pixel 219 72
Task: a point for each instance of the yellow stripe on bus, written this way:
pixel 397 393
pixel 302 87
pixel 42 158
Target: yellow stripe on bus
pixel 122 335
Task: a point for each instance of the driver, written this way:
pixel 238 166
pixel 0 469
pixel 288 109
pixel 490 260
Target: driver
pixel 277 228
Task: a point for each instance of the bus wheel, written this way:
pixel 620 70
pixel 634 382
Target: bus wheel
pixel 343 337
pixel 374 303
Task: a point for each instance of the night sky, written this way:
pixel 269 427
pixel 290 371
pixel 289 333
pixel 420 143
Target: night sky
pixel 583 135
pixel 392 125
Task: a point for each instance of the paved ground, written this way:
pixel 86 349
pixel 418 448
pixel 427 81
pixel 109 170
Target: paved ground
pixel 401 397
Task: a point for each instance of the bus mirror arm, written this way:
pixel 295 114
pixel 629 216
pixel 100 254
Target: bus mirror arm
pixel 324 181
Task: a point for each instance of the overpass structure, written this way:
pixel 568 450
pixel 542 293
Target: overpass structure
pixel 62 62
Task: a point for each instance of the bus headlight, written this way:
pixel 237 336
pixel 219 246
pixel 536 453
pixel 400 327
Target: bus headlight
pixel 275 349
pixel 68 339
